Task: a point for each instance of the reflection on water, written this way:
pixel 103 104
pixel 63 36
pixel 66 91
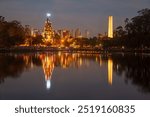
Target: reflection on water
pixel 110 71
pixel 48 67
pixel 123 72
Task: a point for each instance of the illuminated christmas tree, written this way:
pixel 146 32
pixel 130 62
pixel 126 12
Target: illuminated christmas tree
pixel 48 32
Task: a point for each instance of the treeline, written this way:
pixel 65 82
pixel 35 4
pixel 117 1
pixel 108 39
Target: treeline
pixel 14 34
pixel 135 33
pixel 83 42
pixel 11 33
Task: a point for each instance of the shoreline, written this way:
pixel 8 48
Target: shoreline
pixel 84 50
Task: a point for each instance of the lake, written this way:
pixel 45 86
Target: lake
pixel 74 76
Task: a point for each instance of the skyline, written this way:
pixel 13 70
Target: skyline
pixel 70 14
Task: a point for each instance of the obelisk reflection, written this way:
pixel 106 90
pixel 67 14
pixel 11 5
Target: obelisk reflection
pixel 110 71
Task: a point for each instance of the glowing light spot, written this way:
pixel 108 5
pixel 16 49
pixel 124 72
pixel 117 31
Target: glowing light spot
pixel 48 84
pixel 48 14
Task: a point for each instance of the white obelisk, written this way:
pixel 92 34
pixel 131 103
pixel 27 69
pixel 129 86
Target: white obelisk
pixel 110 26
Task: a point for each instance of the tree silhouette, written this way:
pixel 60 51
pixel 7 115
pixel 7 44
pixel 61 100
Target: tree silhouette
pixel 135 34
pixel 11 33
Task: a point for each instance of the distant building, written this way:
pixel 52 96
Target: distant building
pixel 77 33
pixel 66 34
pixel 63 33
pixel 36 32
pixel 71 33
pixel 87 34
pixel 28 34
pixel 27 30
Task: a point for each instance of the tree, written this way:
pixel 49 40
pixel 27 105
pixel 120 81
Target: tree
pixel 16 33
pixel 2 19
pixel 135 34
pixel 138 29
pixel 120 32
pixel 37 40
pixel 57 39
pixel 11 33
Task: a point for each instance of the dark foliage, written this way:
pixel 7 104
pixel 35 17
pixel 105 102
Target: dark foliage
pixel 11 33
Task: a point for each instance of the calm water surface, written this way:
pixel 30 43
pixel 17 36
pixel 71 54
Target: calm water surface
pixel 74 76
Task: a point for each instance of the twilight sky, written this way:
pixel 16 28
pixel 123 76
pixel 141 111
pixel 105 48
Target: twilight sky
pixel 72 14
